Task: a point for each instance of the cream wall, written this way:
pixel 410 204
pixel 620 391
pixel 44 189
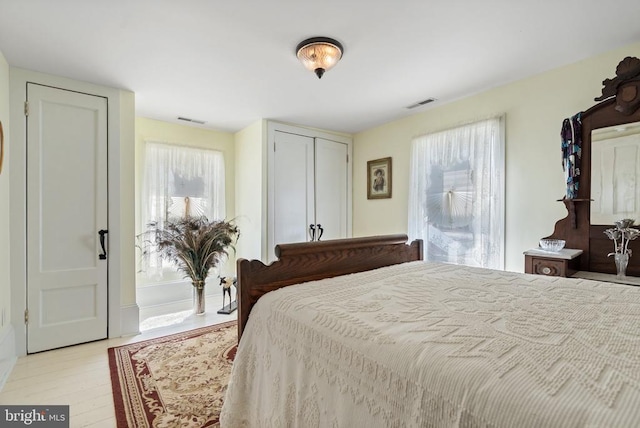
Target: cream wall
pixel 6 348
pixel 4 197
pixel 154 130
pixel 251 190
pixel 534 109
pixel 126 169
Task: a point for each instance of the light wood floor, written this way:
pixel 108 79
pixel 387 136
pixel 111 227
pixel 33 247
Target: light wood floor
pixel 78 376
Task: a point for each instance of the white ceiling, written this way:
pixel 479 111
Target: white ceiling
pixel 232 63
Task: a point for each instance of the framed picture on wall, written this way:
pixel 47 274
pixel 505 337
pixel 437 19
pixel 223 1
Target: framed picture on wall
pixel 379 178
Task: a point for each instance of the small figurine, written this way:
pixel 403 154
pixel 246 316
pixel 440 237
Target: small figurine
pixel 226 282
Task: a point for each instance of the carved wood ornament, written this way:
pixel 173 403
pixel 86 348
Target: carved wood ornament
pixel 625 87
pixel 619 104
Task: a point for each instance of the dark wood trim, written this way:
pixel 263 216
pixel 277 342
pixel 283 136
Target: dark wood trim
pixel 310 261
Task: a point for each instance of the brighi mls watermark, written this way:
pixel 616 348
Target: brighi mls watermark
pixel 34 416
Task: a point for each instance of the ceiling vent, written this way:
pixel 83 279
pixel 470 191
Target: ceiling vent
pixel 421 103
pixel 186 119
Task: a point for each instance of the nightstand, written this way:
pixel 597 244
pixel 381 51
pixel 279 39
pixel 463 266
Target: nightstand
pixel 563 263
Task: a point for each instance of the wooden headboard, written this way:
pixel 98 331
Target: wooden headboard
pixel 309 261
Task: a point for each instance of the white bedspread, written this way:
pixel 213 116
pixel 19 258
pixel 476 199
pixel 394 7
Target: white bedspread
pixel 432 345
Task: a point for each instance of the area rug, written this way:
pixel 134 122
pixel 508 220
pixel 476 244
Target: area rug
pixel 173 381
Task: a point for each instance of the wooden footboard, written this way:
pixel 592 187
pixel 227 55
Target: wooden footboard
pixel 309 261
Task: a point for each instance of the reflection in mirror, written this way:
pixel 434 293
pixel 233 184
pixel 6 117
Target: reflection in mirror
pixel 615 173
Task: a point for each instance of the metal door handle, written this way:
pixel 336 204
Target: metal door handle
pixel 312 231
pixel 103 232
pixel 321 230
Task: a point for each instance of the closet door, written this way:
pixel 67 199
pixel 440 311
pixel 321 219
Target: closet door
pixel 331 188
pixel 293 189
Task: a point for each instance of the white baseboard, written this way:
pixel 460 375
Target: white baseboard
pixel 129 320
pixel 7 353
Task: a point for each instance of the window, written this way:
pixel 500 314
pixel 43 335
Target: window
pixel 180 181
pixel 456 195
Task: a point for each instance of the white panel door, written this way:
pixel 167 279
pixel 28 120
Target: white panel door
pixel 293 189
pixel 66 208
pixel 331 187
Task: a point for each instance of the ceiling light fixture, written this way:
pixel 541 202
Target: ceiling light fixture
pixel 319 54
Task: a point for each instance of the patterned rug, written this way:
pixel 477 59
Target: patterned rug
pixel 173 381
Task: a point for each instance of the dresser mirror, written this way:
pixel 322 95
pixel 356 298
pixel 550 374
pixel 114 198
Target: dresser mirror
pixel 615 173
pixel 611 191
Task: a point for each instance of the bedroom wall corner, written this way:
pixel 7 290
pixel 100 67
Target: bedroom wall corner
pixel 121 323
pixel 8 356
pixel 7 335
pixel 129 320
pixel 251 190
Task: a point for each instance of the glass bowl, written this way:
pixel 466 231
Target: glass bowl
pixel 552 245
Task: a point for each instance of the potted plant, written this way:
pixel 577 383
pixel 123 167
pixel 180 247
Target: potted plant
pixel 194 245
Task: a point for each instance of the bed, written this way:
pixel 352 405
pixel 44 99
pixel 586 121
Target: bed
pixel 368 335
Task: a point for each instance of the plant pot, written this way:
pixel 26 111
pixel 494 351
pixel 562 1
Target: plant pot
pixel 198 298
pixel 622 260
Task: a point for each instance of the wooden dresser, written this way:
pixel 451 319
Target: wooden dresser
pixel 565 263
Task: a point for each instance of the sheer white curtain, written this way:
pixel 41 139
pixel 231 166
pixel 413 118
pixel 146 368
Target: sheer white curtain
pixel 178 181
pixel 456 194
